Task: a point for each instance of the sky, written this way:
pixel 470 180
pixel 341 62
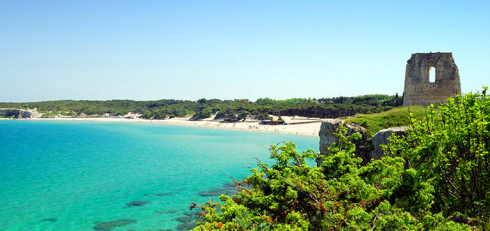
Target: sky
pixel 231 49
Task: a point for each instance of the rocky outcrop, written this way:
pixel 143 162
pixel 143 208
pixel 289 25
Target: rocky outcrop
pixel 19 113
pixel 381 138
pixel 366 149
pixel 15 113
pixel 327 132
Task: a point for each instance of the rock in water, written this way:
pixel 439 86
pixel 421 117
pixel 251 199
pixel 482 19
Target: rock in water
pixel 158 194
pixel 166 212
pixel 227 189
pixel 50 219
pixel 137 203
pixel 109 225
pixel 162 194
pixel 185 219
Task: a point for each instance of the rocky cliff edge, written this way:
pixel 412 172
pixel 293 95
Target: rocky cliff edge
pixel 366 149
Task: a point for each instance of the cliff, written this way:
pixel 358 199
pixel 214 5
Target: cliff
pixel 327 137
pixel 366 149
pixel 18 113
pixel 381 138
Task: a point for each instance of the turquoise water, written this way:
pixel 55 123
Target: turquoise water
pixel 57 175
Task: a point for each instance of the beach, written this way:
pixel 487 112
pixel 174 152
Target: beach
pixel 295 125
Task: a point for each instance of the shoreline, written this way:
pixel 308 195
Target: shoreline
pixel 306 129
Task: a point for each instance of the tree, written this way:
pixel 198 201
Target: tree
pixel 201 101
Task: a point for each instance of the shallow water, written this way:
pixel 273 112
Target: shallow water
pixel 59 175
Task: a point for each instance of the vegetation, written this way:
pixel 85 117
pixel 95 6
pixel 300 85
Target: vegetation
pixel 435 178
pixel 450 150
pixel 392 118
pixel 231 109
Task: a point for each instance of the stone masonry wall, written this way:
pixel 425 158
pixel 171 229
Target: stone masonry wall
pixel 419 90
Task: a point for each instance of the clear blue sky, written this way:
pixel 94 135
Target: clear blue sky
pixel 145 50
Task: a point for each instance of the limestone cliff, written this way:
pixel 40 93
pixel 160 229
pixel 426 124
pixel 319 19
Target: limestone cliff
pixel 19 113
pixel 327 137
pixel 381 138
pixel 365 148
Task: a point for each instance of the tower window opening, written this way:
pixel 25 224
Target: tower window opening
pixel 432 74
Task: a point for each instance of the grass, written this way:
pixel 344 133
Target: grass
pixel 391 118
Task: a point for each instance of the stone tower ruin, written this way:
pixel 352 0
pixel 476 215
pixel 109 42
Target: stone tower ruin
pixel 419 90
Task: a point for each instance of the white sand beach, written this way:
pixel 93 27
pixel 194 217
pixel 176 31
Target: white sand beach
pixel 295 125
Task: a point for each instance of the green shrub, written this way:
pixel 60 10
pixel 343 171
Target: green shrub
pixel 437 178
pixel 449 150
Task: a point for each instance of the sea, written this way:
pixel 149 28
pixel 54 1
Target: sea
pixel 76 175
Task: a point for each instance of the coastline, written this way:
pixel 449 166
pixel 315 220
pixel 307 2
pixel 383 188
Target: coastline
pixel 311 128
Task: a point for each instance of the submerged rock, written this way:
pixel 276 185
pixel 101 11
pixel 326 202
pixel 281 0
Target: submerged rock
pixel 186 226
pixel 227 189
pixel 163 194
pixel 50 219
pixel 193 213
pixel 185 219
pixel 188 221
pixel 137 203
pixel 158 194
pixel 166 211
pixel 109 225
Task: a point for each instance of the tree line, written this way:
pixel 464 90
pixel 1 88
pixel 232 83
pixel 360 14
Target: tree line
pixel 233 109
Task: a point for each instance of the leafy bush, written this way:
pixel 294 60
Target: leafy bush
pixel 449 149
pixel 437 178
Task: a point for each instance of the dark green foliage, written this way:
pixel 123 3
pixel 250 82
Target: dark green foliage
pixel 203 108
pixel 437 178
pixel 202 114
pixel 202 101
pixel 264 116
pixel 290 195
